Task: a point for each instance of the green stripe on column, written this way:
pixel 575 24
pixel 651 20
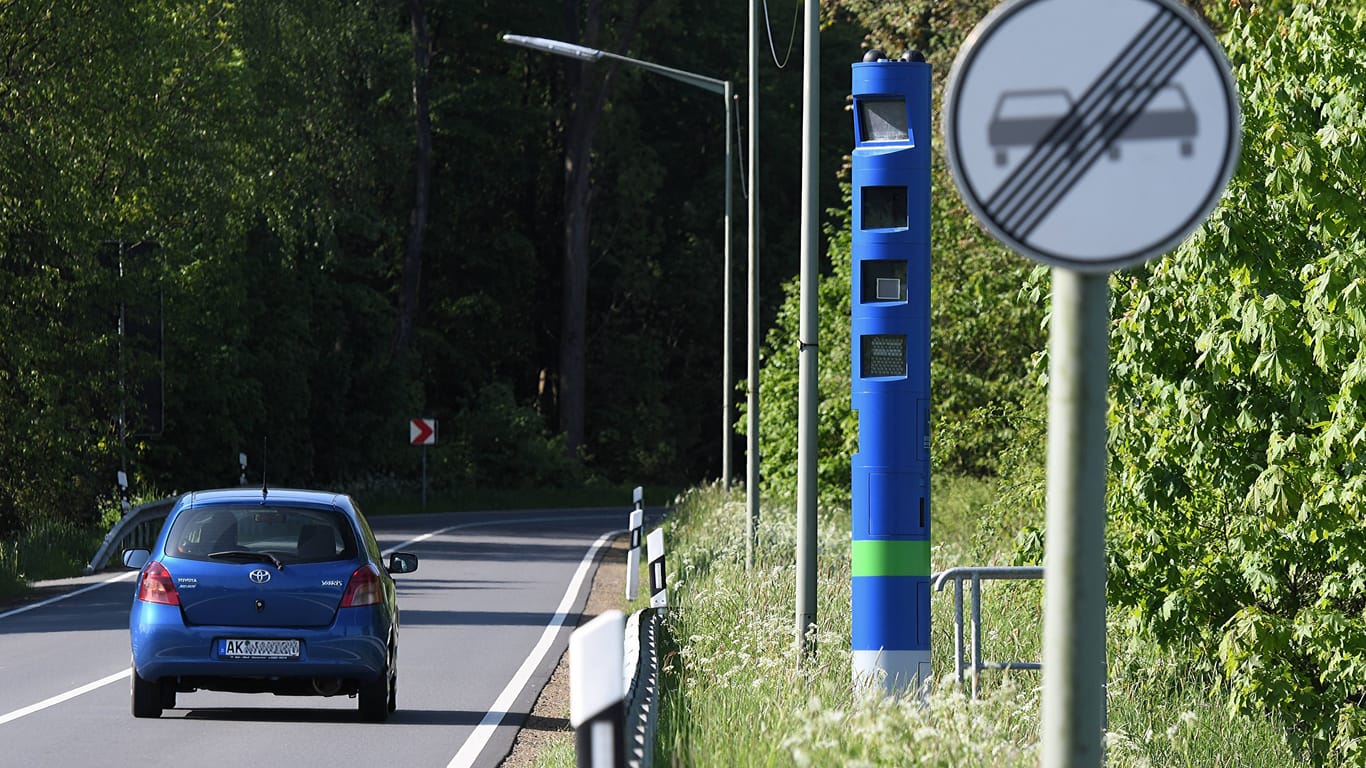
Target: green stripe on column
pixel 872 557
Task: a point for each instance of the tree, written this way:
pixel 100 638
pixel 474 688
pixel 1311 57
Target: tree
pixel 1240 385
pixel 411 275
pixel 588 94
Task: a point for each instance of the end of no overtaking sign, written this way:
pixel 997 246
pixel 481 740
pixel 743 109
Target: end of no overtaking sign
pixel 1091 134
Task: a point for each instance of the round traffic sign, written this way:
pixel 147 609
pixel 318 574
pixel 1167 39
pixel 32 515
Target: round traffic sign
pixel 1091 134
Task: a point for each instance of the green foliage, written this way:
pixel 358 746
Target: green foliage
pixel 1240 394
pixel 498 443
pixel 837 428
pixel 48 549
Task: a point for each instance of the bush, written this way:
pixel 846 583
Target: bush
pixel 1240 398
pixel 47 549
pixel 498 443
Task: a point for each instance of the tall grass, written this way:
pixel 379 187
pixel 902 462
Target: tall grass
pixel 736 692
pixel 46 549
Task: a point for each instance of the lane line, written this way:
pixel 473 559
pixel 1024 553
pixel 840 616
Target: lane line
pixel 486 524
pixel 129 576
pixel 61 697
pixel 474 745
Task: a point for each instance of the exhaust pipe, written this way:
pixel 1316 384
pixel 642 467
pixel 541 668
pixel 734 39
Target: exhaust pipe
pixel 327 686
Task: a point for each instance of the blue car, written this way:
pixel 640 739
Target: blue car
pixel 265 591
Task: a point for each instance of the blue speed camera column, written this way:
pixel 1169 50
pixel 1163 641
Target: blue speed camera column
pixel 891 371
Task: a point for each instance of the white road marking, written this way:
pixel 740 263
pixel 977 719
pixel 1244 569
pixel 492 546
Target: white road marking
pixel 121 577
pixel 474 745
pixel 61 697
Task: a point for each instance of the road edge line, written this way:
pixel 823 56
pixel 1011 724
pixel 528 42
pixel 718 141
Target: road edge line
pixel 474 745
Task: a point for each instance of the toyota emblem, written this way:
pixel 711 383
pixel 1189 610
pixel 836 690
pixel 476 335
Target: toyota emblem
pixel 259 576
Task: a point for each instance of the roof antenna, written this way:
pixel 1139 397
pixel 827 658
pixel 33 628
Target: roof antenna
pixel 265 455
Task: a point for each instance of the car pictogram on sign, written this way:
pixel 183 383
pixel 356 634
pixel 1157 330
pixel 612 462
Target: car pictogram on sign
pixel 1025 119
pixel 1168 115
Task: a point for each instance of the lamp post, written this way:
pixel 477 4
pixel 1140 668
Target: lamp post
pixel 723 87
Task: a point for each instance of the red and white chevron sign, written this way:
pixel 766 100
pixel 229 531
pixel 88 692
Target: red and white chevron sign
pixel 422 431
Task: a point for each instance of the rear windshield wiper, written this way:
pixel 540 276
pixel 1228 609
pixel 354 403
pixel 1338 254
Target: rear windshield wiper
pixel 244 555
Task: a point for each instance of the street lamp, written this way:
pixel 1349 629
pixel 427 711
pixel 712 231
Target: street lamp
pixel 723 87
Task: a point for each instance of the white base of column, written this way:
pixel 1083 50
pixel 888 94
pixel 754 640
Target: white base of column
pixel 896 673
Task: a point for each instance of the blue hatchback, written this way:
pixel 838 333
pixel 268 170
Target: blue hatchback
pixel 266 591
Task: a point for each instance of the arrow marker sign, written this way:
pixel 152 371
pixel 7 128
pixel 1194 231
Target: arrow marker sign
pixel 422 431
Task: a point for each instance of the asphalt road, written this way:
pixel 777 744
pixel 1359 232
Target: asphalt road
pixel 484 620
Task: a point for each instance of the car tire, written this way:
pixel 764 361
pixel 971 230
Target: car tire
pixel 168 694
pixel 393 677
pixel 147 696
pixel 374 699
pixel 393 692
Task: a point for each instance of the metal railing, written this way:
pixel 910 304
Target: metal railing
pixel 976 575
pixel 137 529
pixel 641 675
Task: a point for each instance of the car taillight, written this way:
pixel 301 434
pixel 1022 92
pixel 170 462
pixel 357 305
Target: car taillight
pixel 156 585
pixel 363 589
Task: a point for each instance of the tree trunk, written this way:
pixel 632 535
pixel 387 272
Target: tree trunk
pixel 588 95
pixel 410 281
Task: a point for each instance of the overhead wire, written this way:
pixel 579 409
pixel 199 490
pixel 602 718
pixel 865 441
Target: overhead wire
pixel 768 24
pixel 739 143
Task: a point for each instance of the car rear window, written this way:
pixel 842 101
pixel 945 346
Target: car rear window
pixel 292 534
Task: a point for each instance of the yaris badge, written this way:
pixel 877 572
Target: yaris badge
pixel 259 576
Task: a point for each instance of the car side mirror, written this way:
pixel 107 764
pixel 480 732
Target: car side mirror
pixel 136 558
pixel 402 562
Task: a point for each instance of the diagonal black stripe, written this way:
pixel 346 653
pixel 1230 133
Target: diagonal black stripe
pixel 1096 120
pixel 1095 105
pixel 1045 168
pixel 1089 153
pixel 1128 104
pixel 1054 144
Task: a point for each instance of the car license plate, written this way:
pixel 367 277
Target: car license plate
pixel 258 649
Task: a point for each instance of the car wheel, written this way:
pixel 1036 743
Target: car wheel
pixel 393 677
pixel 374 698
pixel 393 690
pixel 168 694
pixel 147 696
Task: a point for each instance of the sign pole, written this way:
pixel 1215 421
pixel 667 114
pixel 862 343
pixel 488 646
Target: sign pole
pixel 1073 709
pixel 424 476
pixel 808 396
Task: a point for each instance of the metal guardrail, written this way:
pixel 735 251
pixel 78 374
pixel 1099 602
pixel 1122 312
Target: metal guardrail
pixel 137 529
pixel 641 676
pixel 978 574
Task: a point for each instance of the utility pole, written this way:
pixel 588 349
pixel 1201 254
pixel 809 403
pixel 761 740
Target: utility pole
pixel 808 398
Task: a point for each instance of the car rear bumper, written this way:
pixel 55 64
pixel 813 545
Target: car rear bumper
pixel 354 647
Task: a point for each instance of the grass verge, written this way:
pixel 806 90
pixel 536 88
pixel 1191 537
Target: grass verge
pixel 45 550
pixel 737 693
